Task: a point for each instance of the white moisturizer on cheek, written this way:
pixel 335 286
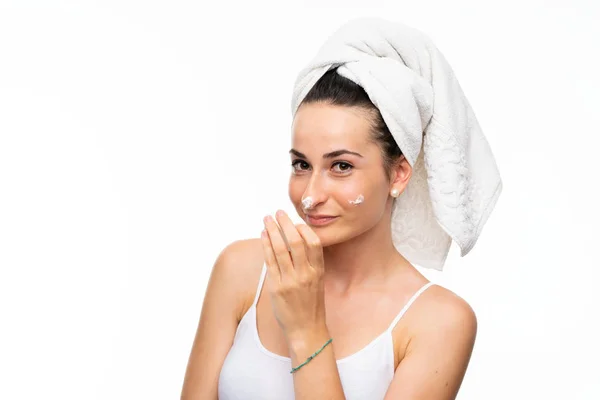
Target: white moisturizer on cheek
pixel 358 200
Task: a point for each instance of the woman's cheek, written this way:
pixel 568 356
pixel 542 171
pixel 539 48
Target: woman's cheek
pixel 294 193
pixel 358 201
pixel 353 196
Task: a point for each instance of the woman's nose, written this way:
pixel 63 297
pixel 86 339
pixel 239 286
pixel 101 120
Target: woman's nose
pixel 315 193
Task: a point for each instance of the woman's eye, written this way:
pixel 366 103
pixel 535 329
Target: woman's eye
pixel 343 166
pixel 299 165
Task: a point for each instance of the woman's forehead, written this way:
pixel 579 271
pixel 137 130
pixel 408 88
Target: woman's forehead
pixel 326 125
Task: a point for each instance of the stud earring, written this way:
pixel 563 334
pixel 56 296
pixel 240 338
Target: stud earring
pixel 395 192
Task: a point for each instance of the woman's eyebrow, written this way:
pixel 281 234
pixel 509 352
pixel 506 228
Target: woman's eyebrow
pixel 332 154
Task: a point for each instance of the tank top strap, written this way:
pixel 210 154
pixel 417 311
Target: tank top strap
pixel 263 274
pixel 408 304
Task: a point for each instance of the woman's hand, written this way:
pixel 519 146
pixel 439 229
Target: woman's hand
pixel 295 277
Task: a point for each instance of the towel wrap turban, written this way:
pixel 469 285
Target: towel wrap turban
pixel 455 182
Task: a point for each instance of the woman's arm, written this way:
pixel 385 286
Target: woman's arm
pixel 224 302
pixel 319 378
pixel 438 353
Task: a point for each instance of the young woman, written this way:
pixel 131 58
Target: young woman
pixel 331 309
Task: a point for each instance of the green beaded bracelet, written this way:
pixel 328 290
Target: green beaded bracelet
pixel 311 357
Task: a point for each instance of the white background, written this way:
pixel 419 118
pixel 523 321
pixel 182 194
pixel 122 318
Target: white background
pixel 138 138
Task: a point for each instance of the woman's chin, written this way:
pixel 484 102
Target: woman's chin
pixel 329 237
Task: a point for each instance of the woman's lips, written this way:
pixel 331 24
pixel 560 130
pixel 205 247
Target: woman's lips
pixel 318 220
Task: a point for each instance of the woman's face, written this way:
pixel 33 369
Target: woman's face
pixel 335 163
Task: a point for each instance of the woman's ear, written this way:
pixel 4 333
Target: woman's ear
pixel 401 173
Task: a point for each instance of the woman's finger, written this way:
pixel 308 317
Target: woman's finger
pixel 313 245
pixel 272 267
pixel 297 248
pixel 282 255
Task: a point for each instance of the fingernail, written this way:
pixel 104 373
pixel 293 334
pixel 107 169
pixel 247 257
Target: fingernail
pixel 280 213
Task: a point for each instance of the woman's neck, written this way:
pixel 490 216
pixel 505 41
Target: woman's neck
pixel 366 260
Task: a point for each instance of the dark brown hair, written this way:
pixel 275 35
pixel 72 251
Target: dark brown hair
pixel 334 89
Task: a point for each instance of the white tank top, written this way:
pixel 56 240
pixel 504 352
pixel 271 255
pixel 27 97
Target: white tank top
pixel 251 372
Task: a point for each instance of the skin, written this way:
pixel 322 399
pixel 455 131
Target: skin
pixel 334 277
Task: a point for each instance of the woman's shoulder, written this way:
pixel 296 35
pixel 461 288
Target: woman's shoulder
pixel 238 251
pixel 444 301
pixel 239 265
pixel 442 312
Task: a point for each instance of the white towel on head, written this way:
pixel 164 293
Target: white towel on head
pixel 455 182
